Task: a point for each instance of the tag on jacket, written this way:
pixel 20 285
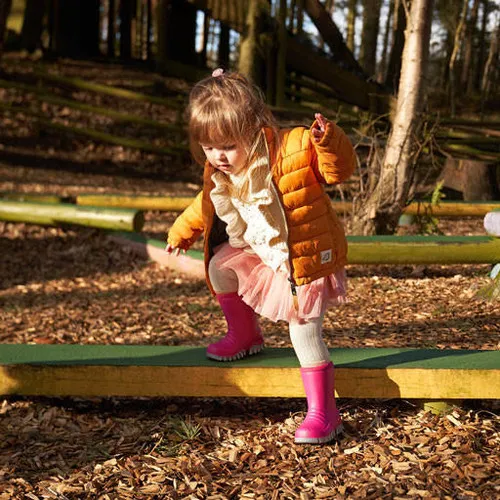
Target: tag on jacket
pixel 326 256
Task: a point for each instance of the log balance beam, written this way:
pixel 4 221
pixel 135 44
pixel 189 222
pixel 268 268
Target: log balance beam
pixel 179 203
pixel 55 214
pixel 149 371
pixel 403 250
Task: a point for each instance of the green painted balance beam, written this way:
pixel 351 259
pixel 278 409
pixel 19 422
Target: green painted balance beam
pixel 144 370
pixel 361 250
pixel 54 214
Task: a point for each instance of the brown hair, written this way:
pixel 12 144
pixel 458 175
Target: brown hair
pixel 226 109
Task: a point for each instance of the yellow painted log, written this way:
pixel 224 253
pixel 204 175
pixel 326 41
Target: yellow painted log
pixel 452 209
pixel 36 197
pixel 165 203
pixel 222 380
pixel 76 370
pixel 179 203
pixel 423 250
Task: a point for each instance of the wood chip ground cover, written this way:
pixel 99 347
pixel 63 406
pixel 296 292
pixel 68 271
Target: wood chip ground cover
pixel 73 285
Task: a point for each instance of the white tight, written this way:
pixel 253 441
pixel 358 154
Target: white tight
pixel 306 336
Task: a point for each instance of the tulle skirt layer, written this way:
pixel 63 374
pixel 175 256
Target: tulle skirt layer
pixel 269 293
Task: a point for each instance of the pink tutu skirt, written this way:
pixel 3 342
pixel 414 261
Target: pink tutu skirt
pixel 269 293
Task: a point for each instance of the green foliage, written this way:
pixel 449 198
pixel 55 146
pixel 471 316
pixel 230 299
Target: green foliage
pixel 491 291
pixel 186 429
pixel 173 440
pixel 426 223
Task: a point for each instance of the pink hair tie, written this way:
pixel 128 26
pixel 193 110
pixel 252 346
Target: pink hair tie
pixel 217 72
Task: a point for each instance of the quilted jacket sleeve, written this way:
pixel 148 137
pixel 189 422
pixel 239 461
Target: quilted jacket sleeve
pixel 188 226
pixel 333 157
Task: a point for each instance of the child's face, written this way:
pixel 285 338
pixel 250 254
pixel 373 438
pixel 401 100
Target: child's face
pixel 228 158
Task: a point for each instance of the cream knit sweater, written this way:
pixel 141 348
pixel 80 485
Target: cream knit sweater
pixel 256 224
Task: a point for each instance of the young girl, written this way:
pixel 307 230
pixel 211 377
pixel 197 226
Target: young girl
pixel 273 244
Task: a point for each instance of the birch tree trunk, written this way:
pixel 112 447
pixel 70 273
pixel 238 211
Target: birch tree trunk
pixel 379 213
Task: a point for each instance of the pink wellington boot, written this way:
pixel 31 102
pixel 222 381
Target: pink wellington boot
pixel 243 337
pixel 322 422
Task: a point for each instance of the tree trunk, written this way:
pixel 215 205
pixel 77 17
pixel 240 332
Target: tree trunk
pixel 329 6
pixel 251 62
pixel 149 24
pixel 299 28
pixel 383 59
pixel 352 11
pixel 491 67
pixel 482 46
pixel 127 10
pixel 224 49
pixel 204 40
pixel 111 28
pixel 454 53
pixel 369 35
pixel 5 6
pixel 398 42
pixel 281 62
pixel 380 213
pixel 176 21
pixel 466 80
pixel 331 34
pixel 31 32
pixel 76 28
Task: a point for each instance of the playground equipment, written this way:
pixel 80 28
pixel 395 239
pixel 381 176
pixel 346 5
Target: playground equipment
pixel 179 203
pixel 117 370
pixel 66 213
pixel 361 250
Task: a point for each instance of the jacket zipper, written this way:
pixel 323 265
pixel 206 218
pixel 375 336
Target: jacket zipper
pixel 293 285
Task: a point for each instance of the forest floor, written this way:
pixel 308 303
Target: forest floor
pixel 74 285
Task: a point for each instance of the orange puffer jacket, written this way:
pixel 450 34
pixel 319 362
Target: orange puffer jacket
pixel 316 239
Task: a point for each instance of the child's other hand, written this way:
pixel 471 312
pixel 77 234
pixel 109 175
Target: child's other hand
pixel 173 250
pixel 319 129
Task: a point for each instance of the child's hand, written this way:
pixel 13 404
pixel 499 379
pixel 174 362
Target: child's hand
pixel 319 130
pixel 173 250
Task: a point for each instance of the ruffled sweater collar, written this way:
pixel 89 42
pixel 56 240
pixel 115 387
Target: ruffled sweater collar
pixel 266 235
